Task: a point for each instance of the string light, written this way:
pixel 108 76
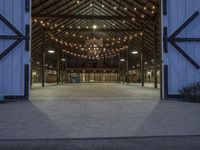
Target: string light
pixel 106 55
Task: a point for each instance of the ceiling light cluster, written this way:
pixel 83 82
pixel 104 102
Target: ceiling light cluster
pixel 101 53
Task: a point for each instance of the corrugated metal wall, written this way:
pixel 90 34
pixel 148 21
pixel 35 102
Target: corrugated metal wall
pixel 12 66
pixel 179 69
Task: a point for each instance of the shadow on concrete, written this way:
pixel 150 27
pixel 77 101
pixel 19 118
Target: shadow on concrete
pixel 24 120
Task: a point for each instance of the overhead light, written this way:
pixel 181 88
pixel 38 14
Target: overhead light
pixel 102 6
pixel 51 51
pixel 63 59
pixel 78 2
pixel 135 52
pixel 122 59
pixel 94 26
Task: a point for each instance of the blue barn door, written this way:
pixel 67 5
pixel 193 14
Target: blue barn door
pixel 181 45
pixel 14 49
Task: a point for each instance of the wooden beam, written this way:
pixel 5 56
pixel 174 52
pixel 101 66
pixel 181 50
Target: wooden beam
pixel 84 17
pixel 95 30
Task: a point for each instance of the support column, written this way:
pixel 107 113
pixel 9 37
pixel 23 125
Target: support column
pixel 31 76
pixel 155 57
pixel 63 63
pixel 127 70
pixel 58 65
pixel 119 73
pixel 43 59
pixel 142 61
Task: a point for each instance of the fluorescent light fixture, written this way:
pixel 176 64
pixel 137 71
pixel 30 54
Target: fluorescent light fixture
pixel 122 59
pixel 134 52
pixel 51 51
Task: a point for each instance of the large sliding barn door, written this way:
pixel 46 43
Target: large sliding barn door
pixel 181 45
pixel 14 49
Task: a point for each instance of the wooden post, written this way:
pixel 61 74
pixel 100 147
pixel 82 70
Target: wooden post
pixel 127 70
pixel 142 61
pixel 155 56
pixel 63 63
pixel 119 73
pixel 31 70
pixel 43 59
pixel 58 65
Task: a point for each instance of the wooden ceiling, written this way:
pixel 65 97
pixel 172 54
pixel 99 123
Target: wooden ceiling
pixel 121 22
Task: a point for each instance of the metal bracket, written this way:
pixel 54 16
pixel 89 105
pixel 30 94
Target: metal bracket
pixel 27 5
pixel 19 37
pixel 164 7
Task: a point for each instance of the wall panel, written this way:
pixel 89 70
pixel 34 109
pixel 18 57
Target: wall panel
pixel 181 72
pixel 12 65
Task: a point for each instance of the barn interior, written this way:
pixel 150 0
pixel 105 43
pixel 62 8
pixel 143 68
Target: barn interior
pixel 95 44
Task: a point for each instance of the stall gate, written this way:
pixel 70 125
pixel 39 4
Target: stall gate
pixel 14 49
pixel 181 45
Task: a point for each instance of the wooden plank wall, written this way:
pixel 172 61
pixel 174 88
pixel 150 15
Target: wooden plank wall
pixel 181 72
pixel 12 66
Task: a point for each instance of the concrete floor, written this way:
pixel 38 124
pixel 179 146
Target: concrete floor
pixel 97 110
pixel 94 91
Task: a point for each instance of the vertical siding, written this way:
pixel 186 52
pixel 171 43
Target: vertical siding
pixel 196 29
pixel 12 66
pixel 1 48
pixel 181 72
